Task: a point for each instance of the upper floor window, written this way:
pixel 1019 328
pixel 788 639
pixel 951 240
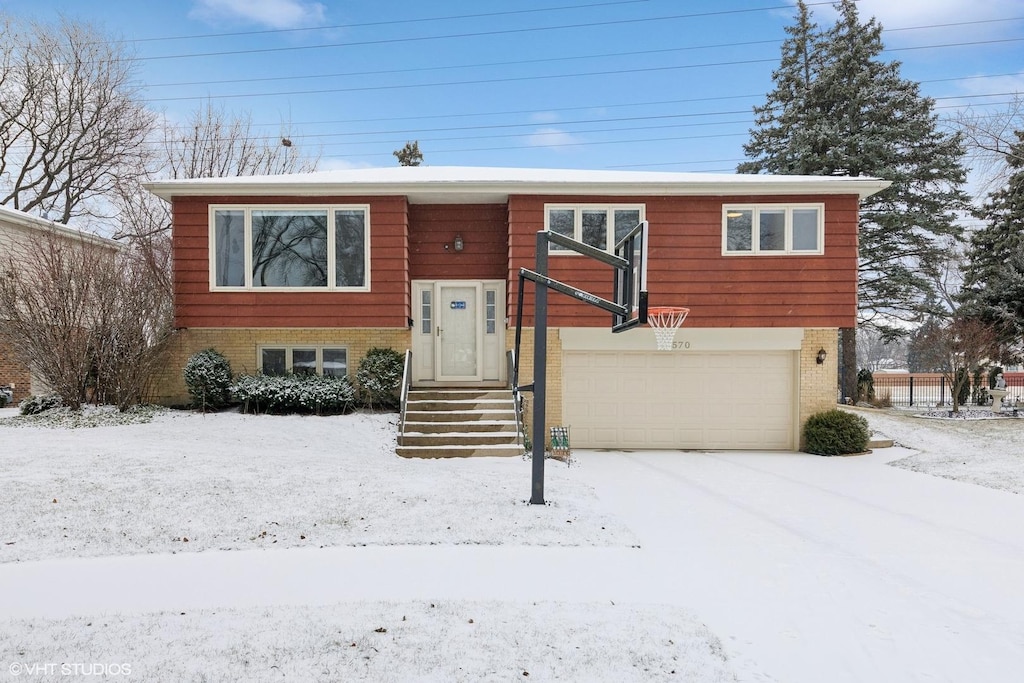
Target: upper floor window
pixel 599 226
pixel 773 229
pixel 290 247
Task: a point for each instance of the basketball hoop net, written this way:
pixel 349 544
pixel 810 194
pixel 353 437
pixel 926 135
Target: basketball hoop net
pixel 666 320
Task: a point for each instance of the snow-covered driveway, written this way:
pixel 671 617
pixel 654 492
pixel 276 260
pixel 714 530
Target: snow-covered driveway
pixel 829 569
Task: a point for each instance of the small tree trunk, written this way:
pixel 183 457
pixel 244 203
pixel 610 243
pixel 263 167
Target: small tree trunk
pixel 848 362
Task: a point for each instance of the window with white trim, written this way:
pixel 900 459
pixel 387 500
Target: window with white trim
pixel 773 229
pixel 304 247
pixel 331 361
pixel 598 225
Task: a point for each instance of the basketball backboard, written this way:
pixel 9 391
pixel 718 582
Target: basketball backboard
pixel 630 286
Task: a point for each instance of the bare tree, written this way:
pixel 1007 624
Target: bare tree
pixel 965 345
pixel 216 144
pixel 71 118
pixel 990 138
pixel 82 315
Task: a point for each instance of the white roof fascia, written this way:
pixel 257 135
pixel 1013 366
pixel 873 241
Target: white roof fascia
pixel 482 185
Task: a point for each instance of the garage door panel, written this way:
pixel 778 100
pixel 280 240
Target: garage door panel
pixel 679 400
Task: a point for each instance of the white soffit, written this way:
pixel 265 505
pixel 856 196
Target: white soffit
pixel 454 184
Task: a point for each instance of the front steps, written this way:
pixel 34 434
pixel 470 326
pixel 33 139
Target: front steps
pixel 458 423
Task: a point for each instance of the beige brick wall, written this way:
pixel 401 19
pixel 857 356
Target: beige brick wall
pixel 553 409
pixel 239 347
pixel 819 384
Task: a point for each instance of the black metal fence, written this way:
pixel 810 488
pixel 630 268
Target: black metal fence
pixel 923 390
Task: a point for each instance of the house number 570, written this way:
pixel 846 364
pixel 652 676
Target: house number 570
pixel 680 345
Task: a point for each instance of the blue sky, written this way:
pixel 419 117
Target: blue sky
pixel 632 84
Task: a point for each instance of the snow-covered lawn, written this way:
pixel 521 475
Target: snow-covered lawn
pixel 187 482
pixel 646 566
pixel 985 452
pixel 227 482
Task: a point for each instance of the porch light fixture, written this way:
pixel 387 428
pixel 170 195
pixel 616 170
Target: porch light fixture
pixel 821 356
pixel 458 243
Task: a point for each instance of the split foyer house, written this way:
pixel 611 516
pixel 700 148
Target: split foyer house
pixel 305 272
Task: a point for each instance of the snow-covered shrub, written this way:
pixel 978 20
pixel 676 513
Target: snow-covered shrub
pixel 380 378
pixel 33 405
pixel 311 394
pixel 836 432
pixel 208 378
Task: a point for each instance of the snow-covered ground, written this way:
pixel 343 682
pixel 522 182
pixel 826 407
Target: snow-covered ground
pixel 644 566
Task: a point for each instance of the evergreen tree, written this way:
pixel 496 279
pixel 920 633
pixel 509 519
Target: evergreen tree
pixel 993 285
pixel 787 137
pixel 409 155
pixel 838 109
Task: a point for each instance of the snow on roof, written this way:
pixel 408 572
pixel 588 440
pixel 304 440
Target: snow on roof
pixel 452 184
pixel 26 221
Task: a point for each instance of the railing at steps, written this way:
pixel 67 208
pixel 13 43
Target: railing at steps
pixel 517 400
pixel 406 384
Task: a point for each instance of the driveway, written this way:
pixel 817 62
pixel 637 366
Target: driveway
pixel 809 569
pixel 830 569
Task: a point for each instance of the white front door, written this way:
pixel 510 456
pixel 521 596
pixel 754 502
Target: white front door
pixel 458 331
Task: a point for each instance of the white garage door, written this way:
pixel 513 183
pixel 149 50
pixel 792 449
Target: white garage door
pixel 679 400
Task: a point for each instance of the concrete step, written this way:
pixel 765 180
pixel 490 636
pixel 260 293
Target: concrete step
pixel 458 394
pixel 879 441
pixel 459 451
pixel 460 439
pixel 459 404
pixel 438 427
pixel 460 416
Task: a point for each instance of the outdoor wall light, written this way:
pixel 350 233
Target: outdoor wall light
pixel 459 244
pixel 821 356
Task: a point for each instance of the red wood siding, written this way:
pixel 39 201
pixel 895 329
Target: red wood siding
pixel 385 305
pixel 687 268
pixel 484 230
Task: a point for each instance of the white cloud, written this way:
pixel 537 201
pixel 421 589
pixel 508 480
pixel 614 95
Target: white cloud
pixel 554 138
pixel 270 13
pixel 544 117
pixel 927 12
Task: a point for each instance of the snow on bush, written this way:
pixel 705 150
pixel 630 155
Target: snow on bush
pixel 208 378
pixel 33 405
pixel 310 394
pixel 380 378
pixel 835 432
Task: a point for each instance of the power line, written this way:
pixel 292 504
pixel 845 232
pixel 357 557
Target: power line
pixel 472 34
pixel 617 105
pixel 390 22
pixel 511 79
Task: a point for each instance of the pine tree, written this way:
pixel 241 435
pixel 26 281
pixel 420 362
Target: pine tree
pixel 787 135
pixel 993 285
pixel 409 155
pixel 838 109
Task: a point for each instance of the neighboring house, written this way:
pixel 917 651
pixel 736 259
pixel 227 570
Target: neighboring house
pixel 304 273
pixel 21 235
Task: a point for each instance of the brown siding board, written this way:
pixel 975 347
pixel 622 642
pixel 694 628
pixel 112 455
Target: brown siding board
pixel 686 266
pixel 385 305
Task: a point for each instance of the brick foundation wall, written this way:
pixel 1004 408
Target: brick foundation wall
pixel 553 409
pixel 13 372
pixel 819 384
pixel 239 347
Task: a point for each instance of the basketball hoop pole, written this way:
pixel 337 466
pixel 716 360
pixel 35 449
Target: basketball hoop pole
pixel 540 366
pixel 540 335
